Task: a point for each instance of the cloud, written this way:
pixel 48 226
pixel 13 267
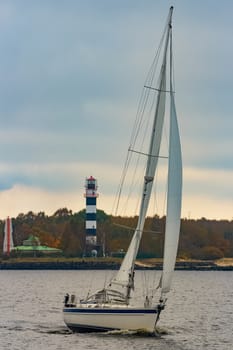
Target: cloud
pixel 209 182
pixel 22 199
pixel 70 78
pixel 198 206
pixel 208 193
pixel 214 202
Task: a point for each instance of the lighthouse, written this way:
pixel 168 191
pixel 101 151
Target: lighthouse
pixel 91 195
pixel 8 244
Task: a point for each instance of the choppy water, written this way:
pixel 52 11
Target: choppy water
pixel 199 312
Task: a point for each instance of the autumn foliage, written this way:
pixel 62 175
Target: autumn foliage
pixel 199 239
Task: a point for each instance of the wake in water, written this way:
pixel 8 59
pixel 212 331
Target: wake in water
pixel 58 330
pixel 21 326
pixel 139 332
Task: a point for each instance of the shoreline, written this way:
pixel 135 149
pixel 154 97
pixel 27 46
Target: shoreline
pixel 110 265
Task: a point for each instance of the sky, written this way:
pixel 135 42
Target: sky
pixel 71 74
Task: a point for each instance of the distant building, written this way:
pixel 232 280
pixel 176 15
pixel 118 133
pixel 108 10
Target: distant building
pixel 32 246
pixel 8 244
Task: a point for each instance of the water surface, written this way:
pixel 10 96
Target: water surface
pixel 198 315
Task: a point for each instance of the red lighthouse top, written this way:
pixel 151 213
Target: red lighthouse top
pixel 91 187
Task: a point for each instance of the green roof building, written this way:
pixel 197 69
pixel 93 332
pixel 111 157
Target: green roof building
pixel 32 245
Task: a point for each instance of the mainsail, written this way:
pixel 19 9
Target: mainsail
pixel 126 272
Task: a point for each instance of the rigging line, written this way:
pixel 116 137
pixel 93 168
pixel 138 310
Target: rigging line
pixel 128 160
pixel 146 154
pixel 123 177
pixel 148 284
pixel 160 90
pixel 155 61
pixel 161 77
pixel 105 280
pixel 133 229
pixel 142 104
pixel 166 136
pixel 121 183
pixel 139 115
pixel 148 118
pixel 128 157
pixel 172 66
pixel 145 284
pixel 149 80
pixel 142 115
pixel 136 210
pixel 119 190
pixel 144 138
pixel 155 192
pixel 144 120
pixel 147 115
pixel 140 118
pixel 150 115
pixel 171 61
pixel 89 287
pixel 134 181
pixel 166 176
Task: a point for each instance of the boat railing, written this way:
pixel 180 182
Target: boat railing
pixel 70 300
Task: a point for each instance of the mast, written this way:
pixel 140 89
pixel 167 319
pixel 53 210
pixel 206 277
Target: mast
pixel 174 192
pixel 125 276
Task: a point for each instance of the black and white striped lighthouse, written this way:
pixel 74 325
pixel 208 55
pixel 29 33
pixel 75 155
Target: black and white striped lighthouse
pixel 91 195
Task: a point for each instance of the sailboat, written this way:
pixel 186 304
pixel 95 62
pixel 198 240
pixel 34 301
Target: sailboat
pixel 110 308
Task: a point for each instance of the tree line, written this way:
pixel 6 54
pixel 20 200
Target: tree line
pixel 199 239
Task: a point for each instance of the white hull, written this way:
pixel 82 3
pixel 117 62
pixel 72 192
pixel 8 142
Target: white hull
pixel 105 319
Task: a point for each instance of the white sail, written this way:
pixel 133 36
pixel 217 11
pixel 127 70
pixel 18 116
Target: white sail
pixel 124 276
pixel 8 244
pixel 173 201
pixel 127 265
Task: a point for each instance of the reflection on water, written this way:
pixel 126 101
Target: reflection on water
pixel 198 315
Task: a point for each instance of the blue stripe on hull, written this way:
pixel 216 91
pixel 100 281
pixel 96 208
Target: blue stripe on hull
pixel 109 311
pixel 95 312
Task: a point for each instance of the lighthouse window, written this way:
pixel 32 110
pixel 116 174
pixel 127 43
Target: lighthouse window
pixel 91 185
